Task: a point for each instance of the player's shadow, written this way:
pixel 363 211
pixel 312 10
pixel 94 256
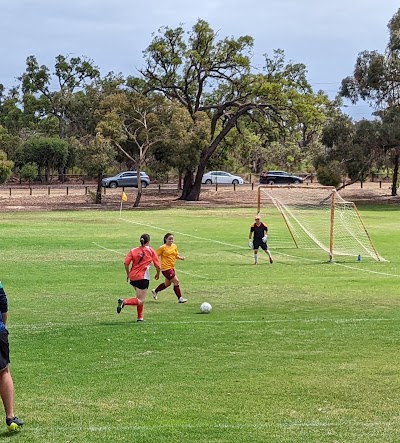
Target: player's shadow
pixel 8 434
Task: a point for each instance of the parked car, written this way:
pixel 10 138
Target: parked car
pixel 279 178
pixel 126 179
pixel 221 177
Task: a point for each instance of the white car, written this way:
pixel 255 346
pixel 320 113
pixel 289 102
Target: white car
pixel 221 177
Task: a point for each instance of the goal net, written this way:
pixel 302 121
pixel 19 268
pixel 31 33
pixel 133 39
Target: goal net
pixel 315 217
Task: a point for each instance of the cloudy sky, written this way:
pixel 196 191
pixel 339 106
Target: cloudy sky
pixel 325 36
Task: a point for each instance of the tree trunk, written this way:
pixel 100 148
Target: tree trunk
pixel 191 189
pixel 139 183
pixel 98 190
pixel 395 173
pixel 180 180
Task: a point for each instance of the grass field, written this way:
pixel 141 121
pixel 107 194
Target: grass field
pixel 298 351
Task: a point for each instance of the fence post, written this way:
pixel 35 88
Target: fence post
pixel 85 190
pixel 234 186
pixel 67 190
pixel 10 192
pixel 361 184
pixel 159 188
pixel 48 190
pixel 252 186
pixel 380 184
pixel 30 190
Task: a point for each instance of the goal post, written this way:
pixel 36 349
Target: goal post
pixel 317 217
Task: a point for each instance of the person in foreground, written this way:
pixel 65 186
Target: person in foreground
pixel 6 381
pixel 258 239
pixel 137 266
pixel 168 253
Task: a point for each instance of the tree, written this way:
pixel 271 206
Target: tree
pixel 29 172
pixel 95 155
pixel 133 122
pixel 204 74
pixel 5 167
pixel 71 74
pixel 376 79
pixel 49 153
pixel 355 147
pixel 9 143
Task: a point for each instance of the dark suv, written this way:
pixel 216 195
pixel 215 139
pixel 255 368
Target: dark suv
pixel 279 178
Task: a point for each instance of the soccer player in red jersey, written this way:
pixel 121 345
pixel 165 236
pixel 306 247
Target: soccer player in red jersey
pixel 137 266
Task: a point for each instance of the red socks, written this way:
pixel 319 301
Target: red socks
pixel 131 301
pixel 139 307
pixel 177 291
pixel 160 287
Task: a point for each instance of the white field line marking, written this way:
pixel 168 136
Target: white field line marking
pixel 180 270
pixel 182 233
pixel 233 426
pixel 386 274
pixel 367 270
pixel 242 247
pixel 33 327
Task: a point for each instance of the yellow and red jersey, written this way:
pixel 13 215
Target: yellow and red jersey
pixel 168 256
pixel 140 259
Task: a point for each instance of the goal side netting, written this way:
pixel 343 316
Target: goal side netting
pixel 315 217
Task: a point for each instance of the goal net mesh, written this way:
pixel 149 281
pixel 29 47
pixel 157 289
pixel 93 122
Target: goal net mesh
pixel 314 218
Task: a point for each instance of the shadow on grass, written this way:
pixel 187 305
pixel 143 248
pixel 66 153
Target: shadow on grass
pixel 8 434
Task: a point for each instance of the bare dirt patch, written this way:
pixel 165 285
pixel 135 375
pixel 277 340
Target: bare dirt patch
pixel 79 198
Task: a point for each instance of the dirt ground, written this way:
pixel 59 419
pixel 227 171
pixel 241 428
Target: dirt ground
pixel 81 197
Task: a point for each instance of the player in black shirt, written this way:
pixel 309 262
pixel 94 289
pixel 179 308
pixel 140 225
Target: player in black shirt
pixel 258 239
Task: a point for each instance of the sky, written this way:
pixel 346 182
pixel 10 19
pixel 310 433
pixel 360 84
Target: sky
pixel 325 36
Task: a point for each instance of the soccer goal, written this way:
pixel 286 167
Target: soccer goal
pixel 315 217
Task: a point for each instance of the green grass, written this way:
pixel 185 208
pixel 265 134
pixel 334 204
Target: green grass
pixel 297 351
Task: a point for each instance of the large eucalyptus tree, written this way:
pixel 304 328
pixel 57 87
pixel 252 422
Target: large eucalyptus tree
pixel 376 80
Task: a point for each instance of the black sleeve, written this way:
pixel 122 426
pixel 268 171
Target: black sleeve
pixel 3 301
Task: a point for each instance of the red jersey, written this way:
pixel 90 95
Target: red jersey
pixel 141 259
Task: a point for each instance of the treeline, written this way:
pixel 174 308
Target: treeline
pixel 197 103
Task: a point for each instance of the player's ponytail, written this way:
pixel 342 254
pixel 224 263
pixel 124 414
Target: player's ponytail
pixel 166 236
pixel 144 239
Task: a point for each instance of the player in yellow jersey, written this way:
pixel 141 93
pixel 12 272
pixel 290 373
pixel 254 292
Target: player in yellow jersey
pixel 168 254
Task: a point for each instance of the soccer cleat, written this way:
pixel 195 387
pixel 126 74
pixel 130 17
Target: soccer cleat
pixel 182 300
pixel 154 294
pixel 270 260
pixel 120 305
pixel 140 320
pixel 14 424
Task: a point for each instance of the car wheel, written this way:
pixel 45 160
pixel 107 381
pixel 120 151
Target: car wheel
pixel 297 182
pixel 208 182
pixel 270 182
pixel 113 185
pixel 235 182
pixel 144 184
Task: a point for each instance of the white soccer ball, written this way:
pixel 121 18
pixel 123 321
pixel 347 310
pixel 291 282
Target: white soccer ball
pixel 205 308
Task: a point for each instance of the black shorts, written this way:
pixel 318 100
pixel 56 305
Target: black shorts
pixel 4 350
pixel 260 244
pixel 140 284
